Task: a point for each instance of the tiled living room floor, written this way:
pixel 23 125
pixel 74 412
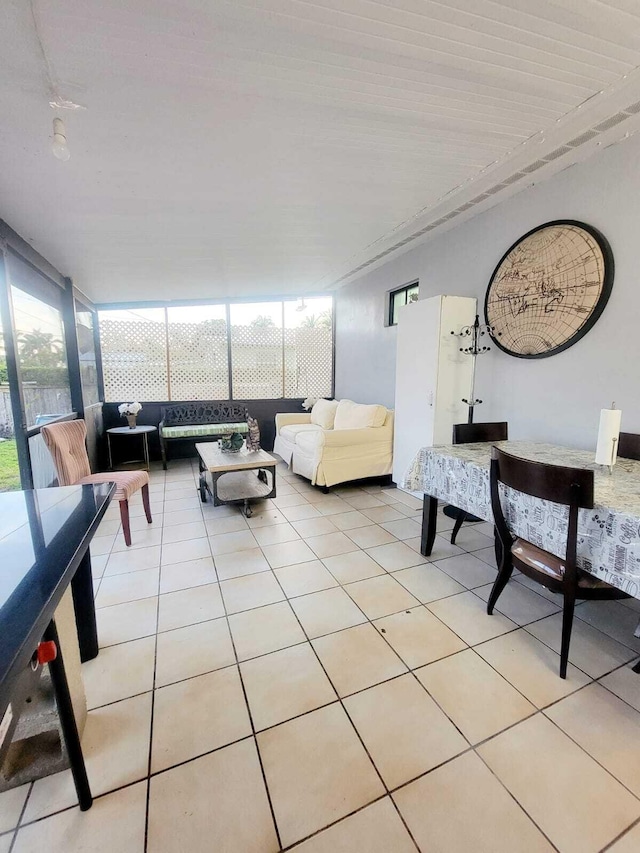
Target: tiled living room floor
pixel 307 681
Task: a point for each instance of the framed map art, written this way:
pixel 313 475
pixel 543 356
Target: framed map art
pixel 549 289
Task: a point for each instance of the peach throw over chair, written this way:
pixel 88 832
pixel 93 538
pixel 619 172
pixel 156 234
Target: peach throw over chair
pixel 66 444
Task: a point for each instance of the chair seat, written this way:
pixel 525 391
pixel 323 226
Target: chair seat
pixel 550 565
pixel 127 482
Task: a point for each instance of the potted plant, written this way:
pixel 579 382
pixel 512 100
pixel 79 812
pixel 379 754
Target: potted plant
pixel 130 412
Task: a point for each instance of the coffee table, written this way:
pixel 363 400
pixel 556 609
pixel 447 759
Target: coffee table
pixel 236 477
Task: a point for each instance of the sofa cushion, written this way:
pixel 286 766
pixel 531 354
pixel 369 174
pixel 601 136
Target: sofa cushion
pixel 194 430
pixel 291 431
pixel 350 415
pixel 323 413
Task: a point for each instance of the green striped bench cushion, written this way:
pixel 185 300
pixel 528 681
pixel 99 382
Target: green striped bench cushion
pixel 195 430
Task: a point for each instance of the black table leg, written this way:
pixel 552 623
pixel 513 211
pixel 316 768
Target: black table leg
pixel 68 722
pixel 85 609
pixel 429 517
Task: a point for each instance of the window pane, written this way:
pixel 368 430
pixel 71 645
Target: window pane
pixel 9 471
pixel 412 293
pixel 398 299
pixel 42 357
pixel 198 359
pixel 256 350
pixel 134 355
pixel 308 347
pixel 87 354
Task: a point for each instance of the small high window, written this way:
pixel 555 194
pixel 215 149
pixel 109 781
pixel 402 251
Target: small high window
pixel 398 298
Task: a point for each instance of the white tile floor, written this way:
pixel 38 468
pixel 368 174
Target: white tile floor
pixel 305 680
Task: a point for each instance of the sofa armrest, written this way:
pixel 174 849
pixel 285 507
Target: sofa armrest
pixel 288 418
pixel 351 437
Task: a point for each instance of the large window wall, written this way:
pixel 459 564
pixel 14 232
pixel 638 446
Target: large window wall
pixel 42 358
pixel 48 362
pixel 220 351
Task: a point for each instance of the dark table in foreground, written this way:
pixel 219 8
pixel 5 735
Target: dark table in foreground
pixel 44 542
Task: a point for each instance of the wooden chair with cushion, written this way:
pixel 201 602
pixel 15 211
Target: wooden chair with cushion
pixel 572 487
pixel 469 434
pixel 66 444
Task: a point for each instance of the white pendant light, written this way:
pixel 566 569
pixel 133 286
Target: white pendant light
pixel 59 147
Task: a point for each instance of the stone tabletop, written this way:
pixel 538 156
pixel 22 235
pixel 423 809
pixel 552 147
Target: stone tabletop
pixel 216 460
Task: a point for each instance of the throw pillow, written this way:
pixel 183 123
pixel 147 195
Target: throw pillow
pixel 323 413
pixel 253 436
pixel 350 415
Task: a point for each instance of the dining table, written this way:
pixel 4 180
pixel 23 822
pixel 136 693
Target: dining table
pixel 608 534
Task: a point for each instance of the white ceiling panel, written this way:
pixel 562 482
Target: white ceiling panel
pixel 270 146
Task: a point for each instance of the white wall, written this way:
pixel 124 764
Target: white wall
pixel 557 398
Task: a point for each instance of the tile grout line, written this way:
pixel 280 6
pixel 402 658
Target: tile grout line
pixel 362 743
pixel 250 715
pixel 153 696
pixel 621 835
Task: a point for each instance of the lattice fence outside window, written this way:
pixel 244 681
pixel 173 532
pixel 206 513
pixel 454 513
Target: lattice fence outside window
pixel 198 354
pixel 308 362
pixel 134 354
pixel 308 347
pixel 256 362
pixel 278 349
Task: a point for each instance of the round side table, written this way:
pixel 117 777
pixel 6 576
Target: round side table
pixel 127 431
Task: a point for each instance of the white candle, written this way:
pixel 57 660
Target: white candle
pixel 608 433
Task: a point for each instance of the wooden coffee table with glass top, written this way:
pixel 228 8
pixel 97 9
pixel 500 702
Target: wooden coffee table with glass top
pixel 236 477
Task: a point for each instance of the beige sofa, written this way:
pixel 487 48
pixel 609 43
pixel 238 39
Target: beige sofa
pixel 328 452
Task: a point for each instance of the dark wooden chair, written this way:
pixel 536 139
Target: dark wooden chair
pixel 469 434
pixel 629 445
pixel 629 448
pixel 572 487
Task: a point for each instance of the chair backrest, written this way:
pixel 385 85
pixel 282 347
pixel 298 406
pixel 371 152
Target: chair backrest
pixel 469 433
pixel 203 412
pixel 629 445
pixel 66 444
pixel 572 487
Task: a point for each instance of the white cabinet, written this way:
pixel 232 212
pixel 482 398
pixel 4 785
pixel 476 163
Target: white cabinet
pixel 432 375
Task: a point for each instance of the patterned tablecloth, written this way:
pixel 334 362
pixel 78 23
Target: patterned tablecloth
pixel 608 534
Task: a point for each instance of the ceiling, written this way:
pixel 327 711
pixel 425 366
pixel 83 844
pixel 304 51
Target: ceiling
pixel 253 147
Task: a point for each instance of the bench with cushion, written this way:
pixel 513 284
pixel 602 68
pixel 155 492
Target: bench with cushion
pixel 203 421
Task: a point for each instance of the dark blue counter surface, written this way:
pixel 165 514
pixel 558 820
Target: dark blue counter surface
pixel 44 535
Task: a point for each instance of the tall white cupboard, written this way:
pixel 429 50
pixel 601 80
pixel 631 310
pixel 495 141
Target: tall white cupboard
pixel 432 375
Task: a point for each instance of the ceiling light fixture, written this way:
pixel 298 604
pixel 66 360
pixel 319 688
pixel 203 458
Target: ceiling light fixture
pixel 302 306
pixel 63 104
pixel 59 147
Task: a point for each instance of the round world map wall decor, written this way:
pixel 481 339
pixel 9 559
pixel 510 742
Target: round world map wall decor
pixel 549 289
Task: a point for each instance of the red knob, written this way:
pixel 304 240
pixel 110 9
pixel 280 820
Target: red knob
pixel 47 652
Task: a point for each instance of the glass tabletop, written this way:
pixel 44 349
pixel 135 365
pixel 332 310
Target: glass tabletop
pixel 41 533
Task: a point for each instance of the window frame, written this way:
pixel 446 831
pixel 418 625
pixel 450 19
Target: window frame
pixel 391 297
pixel 228 303
pixel 45 283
